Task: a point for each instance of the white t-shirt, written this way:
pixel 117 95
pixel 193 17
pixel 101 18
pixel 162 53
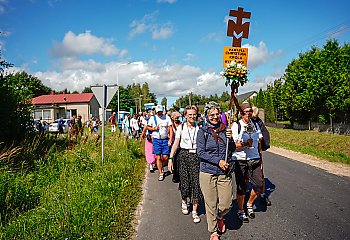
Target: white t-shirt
pixel 188 136
pixel 162 123
pixel 246 153
pixel 134 124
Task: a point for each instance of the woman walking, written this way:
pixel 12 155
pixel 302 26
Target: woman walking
pixel 188 163
pixel 215 181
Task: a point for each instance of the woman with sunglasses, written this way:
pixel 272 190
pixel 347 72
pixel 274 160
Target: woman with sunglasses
pixel 215 181
pixel 247 158
pixel 188 163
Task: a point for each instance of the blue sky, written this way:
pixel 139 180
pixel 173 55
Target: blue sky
pixel 174 45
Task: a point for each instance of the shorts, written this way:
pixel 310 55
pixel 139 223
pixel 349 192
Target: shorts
pixel 161 147
pixel 242 171
pixel 113 128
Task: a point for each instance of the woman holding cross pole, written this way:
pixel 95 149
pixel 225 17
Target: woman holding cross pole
pixel 215 181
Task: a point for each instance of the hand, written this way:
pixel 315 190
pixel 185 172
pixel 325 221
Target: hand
pixel 170 165
pixel 249 142
pixel 229 133
pixel 169 142
pixel 141 138
pixel 223 165
pixel 155 128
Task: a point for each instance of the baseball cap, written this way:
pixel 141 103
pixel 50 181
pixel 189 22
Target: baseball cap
pixel 159 108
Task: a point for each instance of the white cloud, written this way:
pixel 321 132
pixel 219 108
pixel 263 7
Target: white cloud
pixel 148 23
pixel 84 44
pixel 162 33
pixel 213 36
pixel 166 1
pixel 259 55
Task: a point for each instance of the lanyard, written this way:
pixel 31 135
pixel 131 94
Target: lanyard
pixel 194 135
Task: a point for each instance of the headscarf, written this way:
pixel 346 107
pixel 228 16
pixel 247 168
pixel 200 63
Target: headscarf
pixel 219 127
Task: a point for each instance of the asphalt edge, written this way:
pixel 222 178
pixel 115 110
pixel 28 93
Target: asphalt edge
pixel 138 211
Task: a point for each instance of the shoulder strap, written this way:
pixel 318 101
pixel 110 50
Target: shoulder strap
pixel 155 119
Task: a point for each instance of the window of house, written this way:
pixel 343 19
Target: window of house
pixel 73 112
pixel 38 114
pixel 47 114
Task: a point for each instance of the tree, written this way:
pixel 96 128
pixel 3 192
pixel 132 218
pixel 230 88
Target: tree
pixel 16 91
pixel 164 101
pixel 87 90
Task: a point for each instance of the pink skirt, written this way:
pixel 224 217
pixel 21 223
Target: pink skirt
pixel 150 157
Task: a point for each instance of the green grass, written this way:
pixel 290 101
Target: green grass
pixel 331 147
pixel 76 196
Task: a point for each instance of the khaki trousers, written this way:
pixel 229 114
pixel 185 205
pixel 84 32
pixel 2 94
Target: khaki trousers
pixel 218 195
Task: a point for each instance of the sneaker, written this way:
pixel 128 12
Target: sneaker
pixel 221 225
pixel 195 217
pixel 242 216
pixel 184 208
pixel 250 211
pixel 151 169
pixel 161 177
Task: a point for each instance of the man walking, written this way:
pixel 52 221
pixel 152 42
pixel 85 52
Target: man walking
pixel 160 125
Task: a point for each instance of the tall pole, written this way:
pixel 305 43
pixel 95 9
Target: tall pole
pixel 118 96
pixel 103 119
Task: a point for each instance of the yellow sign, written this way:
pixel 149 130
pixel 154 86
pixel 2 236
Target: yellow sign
pixel 237 54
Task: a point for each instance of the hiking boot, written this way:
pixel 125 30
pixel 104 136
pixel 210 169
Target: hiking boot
pixel 242 216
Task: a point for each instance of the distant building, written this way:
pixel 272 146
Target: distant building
pixel 246 96
pixel 54 106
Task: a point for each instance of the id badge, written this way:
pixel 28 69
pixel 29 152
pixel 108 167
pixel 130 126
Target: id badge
pixel 192 151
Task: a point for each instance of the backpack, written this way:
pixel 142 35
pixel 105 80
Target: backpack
pixel 265 142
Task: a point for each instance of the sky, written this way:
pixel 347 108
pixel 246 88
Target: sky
pixel 176 46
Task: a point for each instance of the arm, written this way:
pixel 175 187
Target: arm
pixel 173 150
pixel 202 152
pixel 143 134
pixel 171 135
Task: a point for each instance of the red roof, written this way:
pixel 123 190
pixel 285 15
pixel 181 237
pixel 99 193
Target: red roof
pixel 63 98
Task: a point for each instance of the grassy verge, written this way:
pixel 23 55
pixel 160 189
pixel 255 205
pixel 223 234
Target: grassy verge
pixel 331 147
pixel 73 195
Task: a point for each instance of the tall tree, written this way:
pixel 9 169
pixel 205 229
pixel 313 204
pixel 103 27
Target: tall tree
pixel 164 101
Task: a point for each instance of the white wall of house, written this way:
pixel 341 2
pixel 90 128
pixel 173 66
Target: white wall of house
pixel 50 112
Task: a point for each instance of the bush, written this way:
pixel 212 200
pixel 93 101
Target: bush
pixel 81 197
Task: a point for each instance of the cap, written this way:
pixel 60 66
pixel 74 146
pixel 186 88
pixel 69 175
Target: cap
pixel 245 105
pixel 181 110
pixel 159 108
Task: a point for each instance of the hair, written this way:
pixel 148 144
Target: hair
pixel 211 106
pixel 255 112
pixel 192 107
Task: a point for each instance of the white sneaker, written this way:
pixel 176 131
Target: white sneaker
pixel 184 208
pixel 195 217
pixel 151 169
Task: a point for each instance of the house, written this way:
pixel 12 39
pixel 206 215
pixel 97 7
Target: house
pixel 246 96
pixel 54 106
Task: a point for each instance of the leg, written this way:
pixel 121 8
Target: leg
pixel 225 193
pixel 208 185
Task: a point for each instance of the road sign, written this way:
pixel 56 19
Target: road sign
pixel 99 91
pixel 237 54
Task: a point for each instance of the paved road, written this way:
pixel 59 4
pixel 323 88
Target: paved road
pixel 307 203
